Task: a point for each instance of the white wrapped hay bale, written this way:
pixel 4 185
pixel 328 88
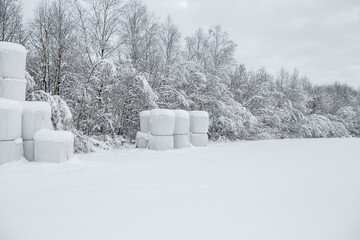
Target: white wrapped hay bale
pixel 199 121
pixel 36 116
pixel 14 89
pixel 182 122
pixel 199 139
pixel 53 146
pixel 10 119
pixel 162 122
pixel 145 121
pixel 12 60
pixel 29 150
pixel 161 143
pixel 11 150
pixel 142 140
pixel 182 141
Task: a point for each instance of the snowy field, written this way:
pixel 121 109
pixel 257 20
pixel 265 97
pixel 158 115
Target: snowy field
pixel 281 189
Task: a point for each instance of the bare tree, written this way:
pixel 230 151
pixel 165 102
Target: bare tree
pixel 139 32
pixel 99 28
pixel 51 43
pixel 11 21
pixel 63 41
pixel 169 44
pixel 39 45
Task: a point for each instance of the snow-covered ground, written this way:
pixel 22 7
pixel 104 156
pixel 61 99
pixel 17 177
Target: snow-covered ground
pixel 282 189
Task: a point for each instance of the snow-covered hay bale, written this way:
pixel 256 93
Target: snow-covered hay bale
pixel 14 89
pixel 145 121
pixel 10 119
pixel 199 121
pixel 29 150
pixel 199 140
pixel 11 150
pixel 161 143
pixel 182 141
pixel 182 122
pixel 162 122
pixel 12 60
pixel 53 146
pixel 36 116
pixel 142 140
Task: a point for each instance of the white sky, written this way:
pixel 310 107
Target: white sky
pixel 321 38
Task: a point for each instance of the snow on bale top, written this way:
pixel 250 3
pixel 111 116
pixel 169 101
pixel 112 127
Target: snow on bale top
pixel 145 113
pixel 8 46
pixel 13 80
pixel 181 114
pixel 46 135
pixel 36 106
pixel 7 104
pixel 199 114
pixel 162 113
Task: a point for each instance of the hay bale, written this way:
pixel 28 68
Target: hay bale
pixel 11 150
pixel 12 60
pixel 181 141
pixel 14 89
pixel 182 122
pixel 199 140
pixel 199 121
pixel 53 146
pixel 145 121
pixel 142 140
pixel 162 122
pixel 10 120
pixel 161 143
pixel 36 116
pixel 29 150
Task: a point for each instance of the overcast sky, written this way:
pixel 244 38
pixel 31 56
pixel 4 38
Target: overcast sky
pixel 321 38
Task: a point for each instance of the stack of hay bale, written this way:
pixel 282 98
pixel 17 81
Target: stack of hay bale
pixel 163 129
pixel 199 125
pixel 162 124
pixel 182 129
pixel 20 121
pixel 12 94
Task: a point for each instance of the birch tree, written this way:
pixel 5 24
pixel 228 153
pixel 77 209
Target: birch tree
pixel 11 21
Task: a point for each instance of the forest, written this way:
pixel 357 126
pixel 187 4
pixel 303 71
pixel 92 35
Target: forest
pixel 99 63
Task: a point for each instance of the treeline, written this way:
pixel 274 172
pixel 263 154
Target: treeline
pixel 100 62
